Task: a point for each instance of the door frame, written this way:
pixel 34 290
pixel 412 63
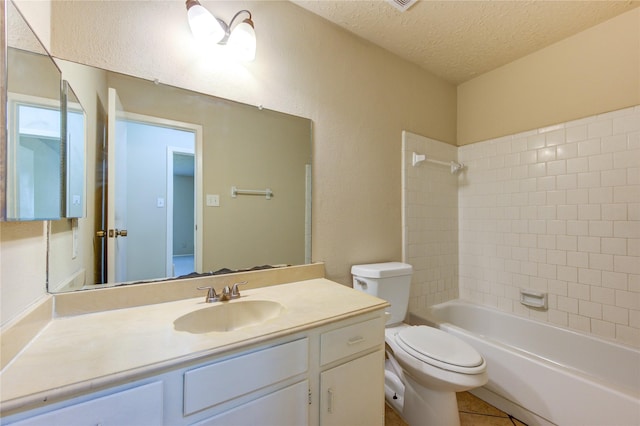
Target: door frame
pixel 171 151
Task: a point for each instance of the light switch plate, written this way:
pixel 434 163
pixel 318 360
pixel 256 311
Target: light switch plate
pixel 213 200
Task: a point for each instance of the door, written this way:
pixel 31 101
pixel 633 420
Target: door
pixel 116 246
pixel 100 203
pixel 353 393
pixel 116 191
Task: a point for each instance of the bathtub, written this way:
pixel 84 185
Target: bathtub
pixel 542 374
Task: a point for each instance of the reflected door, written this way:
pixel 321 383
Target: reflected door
pixel 116 231
pixel 100 200
pixel 151 196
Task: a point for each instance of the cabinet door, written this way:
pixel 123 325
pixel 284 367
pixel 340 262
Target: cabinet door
pixel 353 393
pixel 137 406
pixel 285 407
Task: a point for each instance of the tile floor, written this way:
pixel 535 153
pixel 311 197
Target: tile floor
pixel 473 412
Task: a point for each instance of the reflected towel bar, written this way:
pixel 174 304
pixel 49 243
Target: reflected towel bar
pixel 266 192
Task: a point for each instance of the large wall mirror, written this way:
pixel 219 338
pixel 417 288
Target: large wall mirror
pixel 163 179
pixel 164 204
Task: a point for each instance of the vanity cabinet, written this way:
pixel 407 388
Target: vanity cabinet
pixel 332 374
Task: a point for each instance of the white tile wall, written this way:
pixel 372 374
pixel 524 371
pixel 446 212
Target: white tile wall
pixel 430 221
pixel 555 209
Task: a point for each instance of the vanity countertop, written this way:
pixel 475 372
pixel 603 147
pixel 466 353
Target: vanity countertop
pixel 77 354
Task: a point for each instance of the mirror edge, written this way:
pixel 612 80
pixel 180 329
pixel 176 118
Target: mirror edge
pixel 64 143
pixel 3 112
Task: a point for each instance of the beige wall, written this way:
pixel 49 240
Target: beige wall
pixel 23 260
pixel 595 71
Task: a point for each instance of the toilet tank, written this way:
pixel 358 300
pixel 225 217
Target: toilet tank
pixel 390 281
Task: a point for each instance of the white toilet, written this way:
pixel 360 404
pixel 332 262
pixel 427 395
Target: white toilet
pixel 425 366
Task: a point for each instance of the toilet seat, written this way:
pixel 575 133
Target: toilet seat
pixel 440 349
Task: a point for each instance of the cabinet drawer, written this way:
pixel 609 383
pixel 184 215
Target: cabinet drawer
pixel 222 381
pixel 352 339
pixel 288 406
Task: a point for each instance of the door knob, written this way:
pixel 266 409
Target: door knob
pixel 101 233
pixel 115 233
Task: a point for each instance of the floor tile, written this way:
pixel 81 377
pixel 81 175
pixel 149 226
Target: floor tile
pixel 472 419
pixel 391 418
pixel 469 403
pixel 473 412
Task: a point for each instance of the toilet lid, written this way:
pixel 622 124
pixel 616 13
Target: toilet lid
pixel 440 346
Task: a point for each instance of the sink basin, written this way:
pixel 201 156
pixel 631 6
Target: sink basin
pixel 228 316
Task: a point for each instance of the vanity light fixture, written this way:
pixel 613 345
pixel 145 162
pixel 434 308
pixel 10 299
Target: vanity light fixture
pixel 211 29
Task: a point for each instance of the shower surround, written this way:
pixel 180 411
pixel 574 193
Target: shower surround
pixel 556 209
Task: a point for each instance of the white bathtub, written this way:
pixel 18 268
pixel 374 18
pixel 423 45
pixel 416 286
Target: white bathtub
pixel 543 374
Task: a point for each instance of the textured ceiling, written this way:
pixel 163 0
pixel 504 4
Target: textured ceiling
pixel 458 40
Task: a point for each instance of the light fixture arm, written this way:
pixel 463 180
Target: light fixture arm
pixel 227 28
pixel 237 14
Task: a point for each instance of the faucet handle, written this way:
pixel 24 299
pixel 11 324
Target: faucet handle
pixel 226 293
pixel 235 292
pixel 211 294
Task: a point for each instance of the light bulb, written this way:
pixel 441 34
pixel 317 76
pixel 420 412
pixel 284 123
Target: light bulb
pixel 204 25
pixel 242 41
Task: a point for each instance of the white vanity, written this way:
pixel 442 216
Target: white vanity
pixel 320 361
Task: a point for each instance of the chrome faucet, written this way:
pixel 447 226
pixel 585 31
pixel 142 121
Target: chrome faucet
pixel 228 293
pixel 211 296
pixel 235 292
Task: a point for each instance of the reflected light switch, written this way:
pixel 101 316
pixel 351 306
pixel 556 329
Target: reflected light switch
pixel 213 200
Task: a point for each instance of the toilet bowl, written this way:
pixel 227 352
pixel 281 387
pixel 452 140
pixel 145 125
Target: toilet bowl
pixel 425 366
pixel 435 366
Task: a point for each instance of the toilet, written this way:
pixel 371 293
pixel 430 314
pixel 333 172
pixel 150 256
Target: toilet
pixel 425 366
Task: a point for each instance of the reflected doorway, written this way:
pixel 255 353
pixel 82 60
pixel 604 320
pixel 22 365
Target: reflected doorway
pixel 152 199
pixel 152 176
pixel 181 221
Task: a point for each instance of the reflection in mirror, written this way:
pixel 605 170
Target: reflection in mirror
pixel 34 158
pixel 159 185
pixel 74 144
pixel 34 146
